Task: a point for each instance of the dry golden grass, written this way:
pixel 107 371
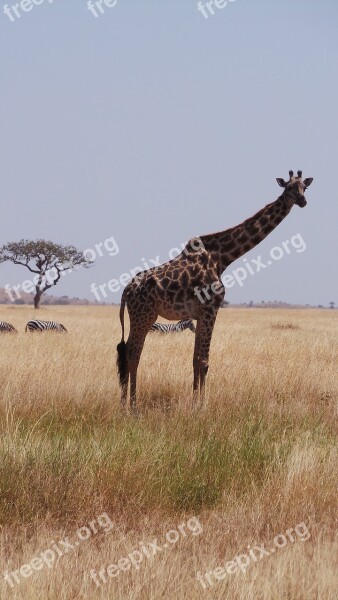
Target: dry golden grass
pixel 260 459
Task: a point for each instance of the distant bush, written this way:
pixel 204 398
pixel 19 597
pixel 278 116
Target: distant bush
pixel 63 300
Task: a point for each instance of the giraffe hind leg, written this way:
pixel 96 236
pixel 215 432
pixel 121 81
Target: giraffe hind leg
pixel 124 389
pixel 135 345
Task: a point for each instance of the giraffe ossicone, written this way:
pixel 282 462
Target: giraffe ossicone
pixel 169 290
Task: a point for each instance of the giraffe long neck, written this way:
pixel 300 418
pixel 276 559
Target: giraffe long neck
pixel 227 246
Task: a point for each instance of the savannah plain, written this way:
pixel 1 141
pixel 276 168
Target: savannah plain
pixel 258 460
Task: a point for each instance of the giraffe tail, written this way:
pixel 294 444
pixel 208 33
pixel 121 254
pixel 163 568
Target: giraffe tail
pixel 121 361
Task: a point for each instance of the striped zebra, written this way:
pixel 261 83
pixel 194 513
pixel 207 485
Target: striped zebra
pixel 45 326
pixel 173 327
pixel 7 327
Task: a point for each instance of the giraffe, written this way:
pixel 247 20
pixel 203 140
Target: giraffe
pixel 171 290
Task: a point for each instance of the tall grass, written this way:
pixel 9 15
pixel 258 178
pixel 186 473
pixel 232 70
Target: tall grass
pixel 260 458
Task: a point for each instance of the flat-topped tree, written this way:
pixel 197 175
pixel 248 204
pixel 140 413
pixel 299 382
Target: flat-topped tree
pixel 45 259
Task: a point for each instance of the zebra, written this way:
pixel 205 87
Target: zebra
pixel 7 327
pixel 45 326
pixel 173 327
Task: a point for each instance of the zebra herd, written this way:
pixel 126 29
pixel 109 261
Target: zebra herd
pixel 33 326
pixel 36 325
pixel 7 327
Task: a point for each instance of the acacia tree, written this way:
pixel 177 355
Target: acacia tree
pixel 45 259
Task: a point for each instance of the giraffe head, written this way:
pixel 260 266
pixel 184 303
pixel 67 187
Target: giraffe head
pixel 295 187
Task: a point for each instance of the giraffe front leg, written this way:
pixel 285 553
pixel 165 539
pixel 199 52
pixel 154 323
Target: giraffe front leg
pixel 196 366
pixel 207 327
pixel 204 367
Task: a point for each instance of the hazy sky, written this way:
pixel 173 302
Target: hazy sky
pixel 151 124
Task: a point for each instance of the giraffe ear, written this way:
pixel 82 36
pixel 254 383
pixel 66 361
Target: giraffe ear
pixel 308 181
pixel 281 182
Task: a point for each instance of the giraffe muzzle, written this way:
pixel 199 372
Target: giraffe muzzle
pixel 301 202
